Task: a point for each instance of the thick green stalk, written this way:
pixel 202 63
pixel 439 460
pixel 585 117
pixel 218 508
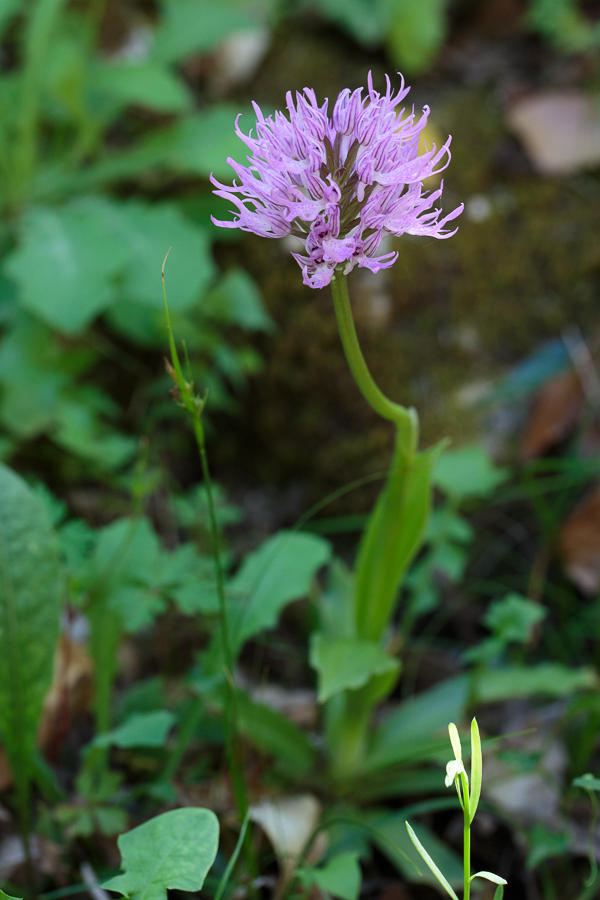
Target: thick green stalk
pixel 405 419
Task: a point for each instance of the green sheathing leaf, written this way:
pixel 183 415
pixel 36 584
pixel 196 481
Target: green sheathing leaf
pixel 394 534
pixel 30 594
pixel 416 730
pixel 275 735
pixel 172 851
pixel 347 663
pixel 66 265
pixel 544 679
pixel 280 571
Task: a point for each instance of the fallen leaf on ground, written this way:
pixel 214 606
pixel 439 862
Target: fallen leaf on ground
pixel 289 822
pixel 554 414
pixel 579 543
pixel 68 695
pixel 559 129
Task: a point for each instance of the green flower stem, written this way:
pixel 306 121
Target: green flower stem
pixel 466 836
pixel 194 406
pixel 404 419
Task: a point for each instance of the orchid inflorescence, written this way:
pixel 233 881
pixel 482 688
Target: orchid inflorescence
pixel 339 184
pixel 468 797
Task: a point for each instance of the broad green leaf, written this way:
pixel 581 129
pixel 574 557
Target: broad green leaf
pixel 78 430
pixel 144 84
pixel 514 617
pixel 467 472
pixel 275 735
pixel 196 26
pixel 545 843
pixel 66 265
pixel 428 860
pixel 202 143
pixel 416 31
pixel 393 535
pixel 147 233
pixel 237 301
pixel 33 377
pixel 198 144
pixel 31 584
pixel 172 851
pixel 587 781
pixel 138 606
pixel 489 876
pixel 347 663
pixel 420 718
pixel 545 679
pixel 8 8
pixel 140 730
pixel 340 876
pixel 4 896
pixel 476 769
pixel 360 18
pixel 127 550
pixel 280 571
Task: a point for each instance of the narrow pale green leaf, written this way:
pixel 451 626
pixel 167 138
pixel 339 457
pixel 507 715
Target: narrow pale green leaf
pixel 31 584
pixel 489 876
pixel 545 679
pixel 393 535
pixel 347 663
pixel 499 892
pixel 476 768
pixel 149 729
pixel 172 851
pixel 427 859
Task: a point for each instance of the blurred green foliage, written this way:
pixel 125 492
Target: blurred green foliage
pixel 80 275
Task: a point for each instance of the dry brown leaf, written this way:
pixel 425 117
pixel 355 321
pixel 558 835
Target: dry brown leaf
pixel 559 129
pixel 579 543
pixel 69 693
pixel 554 414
